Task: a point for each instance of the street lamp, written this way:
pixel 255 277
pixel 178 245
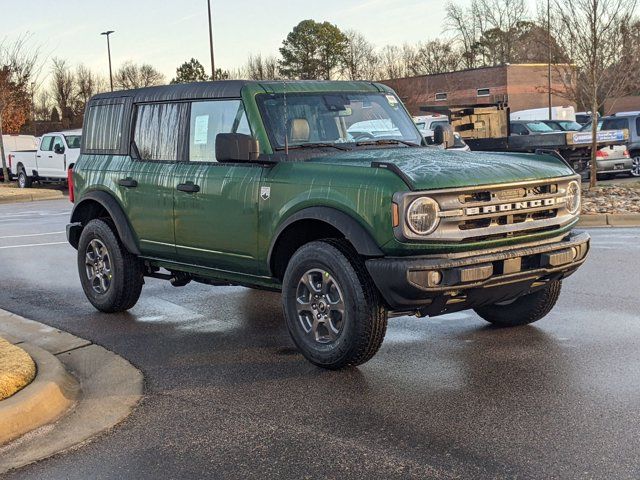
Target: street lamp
pixel 107 33
pixel 213 66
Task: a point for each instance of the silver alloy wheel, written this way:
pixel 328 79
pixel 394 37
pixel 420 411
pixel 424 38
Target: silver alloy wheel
pixel 98 266
pixel 320 306
pixel 635 168
pixel 22 179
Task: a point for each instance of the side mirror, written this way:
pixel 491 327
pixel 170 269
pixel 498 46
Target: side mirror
pixel 233 147
pixel 443 135
pixel 58 149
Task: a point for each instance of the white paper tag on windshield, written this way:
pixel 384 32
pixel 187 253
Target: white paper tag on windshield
pixel 201 129
pixel 393 101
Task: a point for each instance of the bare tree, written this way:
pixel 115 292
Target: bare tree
pixel 467 25
pixel 392 62
pixel 261 68
pixel 87 85
pixel 130 76
pixel 18 67
pixel 593 35
pixel 360 61
pixel 63 86
pixel 436 56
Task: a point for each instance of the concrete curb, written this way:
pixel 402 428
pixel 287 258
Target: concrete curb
pixel 610 220
pixel 111 389
pixel 43 401
pixel 31 197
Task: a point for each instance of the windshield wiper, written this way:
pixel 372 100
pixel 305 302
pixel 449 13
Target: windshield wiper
pixel 314 145
pixel 387 141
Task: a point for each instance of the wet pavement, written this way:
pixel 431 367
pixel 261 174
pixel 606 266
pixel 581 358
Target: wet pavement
pixel 228 396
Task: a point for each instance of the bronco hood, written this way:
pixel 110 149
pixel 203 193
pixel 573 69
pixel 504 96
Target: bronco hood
pixel 430 168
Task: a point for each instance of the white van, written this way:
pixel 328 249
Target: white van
pixel 557 113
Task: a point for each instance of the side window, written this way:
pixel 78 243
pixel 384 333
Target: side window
pixel 57 142
pixel 103 127
pixel 157 130
pixel 208 119
pixel 517 129
pixel 638 126
pixel 46 145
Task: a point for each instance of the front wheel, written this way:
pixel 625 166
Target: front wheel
pixel 523 310
pixel 110 275
pixel 333 311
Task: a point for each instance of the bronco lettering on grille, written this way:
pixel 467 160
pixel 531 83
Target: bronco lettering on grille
pixel 508 207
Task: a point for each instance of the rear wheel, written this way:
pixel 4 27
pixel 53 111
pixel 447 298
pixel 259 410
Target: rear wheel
pixel 333 311
pixel 24 181
pixel 523 310
pixel 110 275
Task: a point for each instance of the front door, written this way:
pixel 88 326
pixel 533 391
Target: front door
pixel 58 165
pixel 216 204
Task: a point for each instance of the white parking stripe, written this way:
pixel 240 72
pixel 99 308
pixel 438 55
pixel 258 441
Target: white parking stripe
pixel 35 245
pixel 31 235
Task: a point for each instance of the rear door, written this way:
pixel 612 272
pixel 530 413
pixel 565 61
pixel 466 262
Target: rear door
pixel 147 181
pixel 216 204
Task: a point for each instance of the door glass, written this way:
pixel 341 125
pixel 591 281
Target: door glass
pixel 47 144
pixel 57 142
pixel 208 119
pixel 158 130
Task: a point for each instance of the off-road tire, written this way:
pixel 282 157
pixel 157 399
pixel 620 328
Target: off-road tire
pixel 525 309
pixel 365 319
pixel 24 180
pixel 127 269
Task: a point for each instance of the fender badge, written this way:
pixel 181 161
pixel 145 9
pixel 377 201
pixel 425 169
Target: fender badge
pixel 265 193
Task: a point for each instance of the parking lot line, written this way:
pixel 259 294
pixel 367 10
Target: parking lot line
pixel 33 245
pixel 31 235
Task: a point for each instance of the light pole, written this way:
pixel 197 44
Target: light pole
pixel 549 52
pixel 107 33
pixel 213 65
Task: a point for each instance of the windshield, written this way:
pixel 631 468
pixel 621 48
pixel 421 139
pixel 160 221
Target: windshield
pixel 569 126
pixel 335 118
pixel 73 141
pixel 539 127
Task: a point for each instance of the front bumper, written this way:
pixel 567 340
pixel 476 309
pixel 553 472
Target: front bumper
pixel 435 285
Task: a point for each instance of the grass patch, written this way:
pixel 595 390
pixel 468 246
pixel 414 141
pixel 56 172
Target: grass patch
pixel 17 369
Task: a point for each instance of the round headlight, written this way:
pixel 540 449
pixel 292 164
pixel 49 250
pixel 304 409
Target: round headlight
pixel 422 215
pixel 573 197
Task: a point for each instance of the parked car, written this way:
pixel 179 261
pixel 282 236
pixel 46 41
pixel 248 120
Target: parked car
pixel 261 184
pixel 585 117
pixel 528 127
pixel 563 125
pixel 631 122
pixel 17 142
pixel 50 162
pixel 611 161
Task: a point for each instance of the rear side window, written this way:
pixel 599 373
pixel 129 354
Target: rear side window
pixel 615 124
pixel 103 127
pixel 208 119
pixel 157 132
pixel 46 145
pixel 638 126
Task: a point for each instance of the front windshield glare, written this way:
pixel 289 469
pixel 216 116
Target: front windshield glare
pixel 335 118
pixel 539 127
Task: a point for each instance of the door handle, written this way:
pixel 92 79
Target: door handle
pixel 50 156
pixel 128 182
pixel 38 156
pixel 188 187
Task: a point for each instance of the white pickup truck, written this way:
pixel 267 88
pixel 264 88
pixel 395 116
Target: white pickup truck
pixel 56 154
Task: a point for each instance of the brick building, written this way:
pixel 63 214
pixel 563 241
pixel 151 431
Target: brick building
pixel 522 86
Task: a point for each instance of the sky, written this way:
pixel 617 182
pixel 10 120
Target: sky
pixel 166 33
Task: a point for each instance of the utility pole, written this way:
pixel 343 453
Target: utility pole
pixel 213 65
pixel 107 33
pixel 549 53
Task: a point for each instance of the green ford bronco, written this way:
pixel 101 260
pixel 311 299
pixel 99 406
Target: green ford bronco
pixel 325 191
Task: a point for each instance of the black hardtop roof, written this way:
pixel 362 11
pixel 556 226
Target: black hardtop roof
pixel 224 89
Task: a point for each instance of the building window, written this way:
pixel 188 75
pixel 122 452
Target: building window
pixel 484 92
pixel 440 97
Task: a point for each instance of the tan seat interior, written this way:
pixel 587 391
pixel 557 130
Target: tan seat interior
pixel 299 130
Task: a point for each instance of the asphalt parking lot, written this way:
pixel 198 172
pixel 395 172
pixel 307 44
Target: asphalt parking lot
pixel 227 395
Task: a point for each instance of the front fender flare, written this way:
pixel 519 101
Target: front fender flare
pixel 113 208
pixel 347 225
